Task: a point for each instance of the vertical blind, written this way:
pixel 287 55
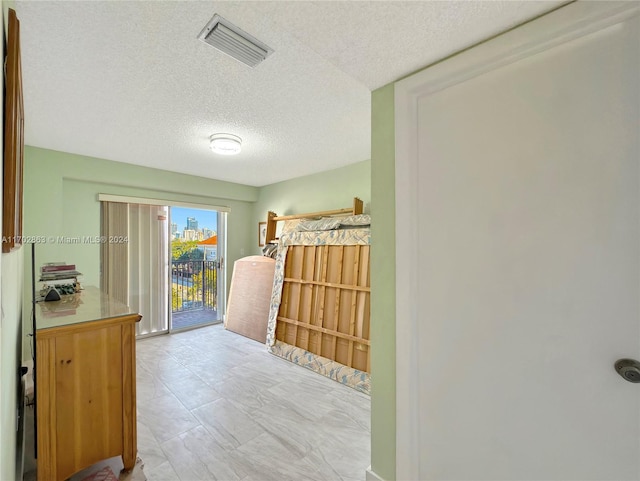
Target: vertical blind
pixel 135 271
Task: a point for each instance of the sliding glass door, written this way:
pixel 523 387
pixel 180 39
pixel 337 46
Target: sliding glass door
pixel 166 262
pixel 197 267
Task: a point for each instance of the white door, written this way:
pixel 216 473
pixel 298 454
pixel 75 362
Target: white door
pixel 518 253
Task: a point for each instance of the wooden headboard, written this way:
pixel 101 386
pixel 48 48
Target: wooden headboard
pixel 272 218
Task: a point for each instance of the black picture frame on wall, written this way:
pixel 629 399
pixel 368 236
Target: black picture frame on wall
pixel 262 233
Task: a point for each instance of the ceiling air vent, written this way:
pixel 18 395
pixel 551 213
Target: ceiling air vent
pixel 228 38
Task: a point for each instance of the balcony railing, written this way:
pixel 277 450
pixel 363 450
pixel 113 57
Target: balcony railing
pixel 193 285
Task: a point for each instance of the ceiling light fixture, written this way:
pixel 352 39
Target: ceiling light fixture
pixel 225 144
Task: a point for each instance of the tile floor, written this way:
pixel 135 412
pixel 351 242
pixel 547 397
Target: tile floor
pixel 216 405
pixel 184 319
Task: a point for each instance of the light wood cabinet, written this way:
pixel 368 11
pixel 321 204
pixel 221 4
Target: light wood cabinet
pixel 85 384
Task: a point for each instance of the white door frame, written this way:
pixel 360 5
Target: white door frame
pixel 565 24
pixel 222 270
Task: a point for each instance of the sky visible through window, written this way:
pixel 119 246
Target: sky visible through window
pixel 206 218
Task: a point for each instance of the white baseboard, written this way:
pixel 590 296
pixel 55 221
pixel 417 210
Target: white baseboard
pixel 371 476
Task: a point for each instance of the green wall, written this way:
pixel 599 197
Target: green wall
pixel 383 284
pixel 332 189
pixel 61 192
pixel 10 326
pixel 12 352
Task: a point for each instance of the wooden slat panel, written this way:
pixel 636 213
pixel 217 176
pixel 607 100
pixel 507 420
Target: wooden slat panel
pixel 321 299
pixel 354 301
pixel 289 264
pixel 326 299
pixel 361 352
pixel 363 279
pixel 336 308
pixel 366 329
pixel 346 294
pixel 280 327
pixel 315 337
pixel 295 290
pixel 329 321
pixel 364 342
pixel 347 287
pixel 342 350
pixel 306 296
pixel 360 357
pixel 281 330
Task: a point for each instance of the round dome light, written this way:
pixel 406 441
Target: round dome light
pixel 225 144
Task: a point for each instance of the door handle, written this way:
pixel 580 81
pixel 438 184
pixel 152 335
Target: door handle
pixel 629 369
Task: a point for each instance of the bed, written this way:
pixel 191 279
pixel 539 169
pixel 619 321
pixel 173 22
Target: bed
pixel 320 304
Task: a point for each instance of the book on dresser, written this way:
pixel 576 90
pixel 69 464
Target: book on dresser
pixel 61 276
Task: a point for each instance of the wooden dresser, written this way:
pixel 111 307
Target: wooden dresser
pixel 85 383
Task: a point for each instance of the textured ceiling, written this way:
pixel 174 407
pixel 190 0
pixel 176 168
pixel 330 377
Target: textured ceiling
pixel 130 82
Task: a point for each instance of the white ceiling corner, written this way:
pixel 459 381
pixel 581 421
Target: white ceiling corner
pixel 129 81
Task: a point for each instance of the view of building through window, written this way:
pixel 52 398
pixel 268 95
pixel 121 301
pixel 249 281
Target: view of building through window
pixel 193 233
pixel 194 259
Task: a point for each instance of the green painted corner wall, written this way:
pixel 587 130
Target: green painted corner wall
pixel 60 200
pixel 383 284
pixel 332 189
